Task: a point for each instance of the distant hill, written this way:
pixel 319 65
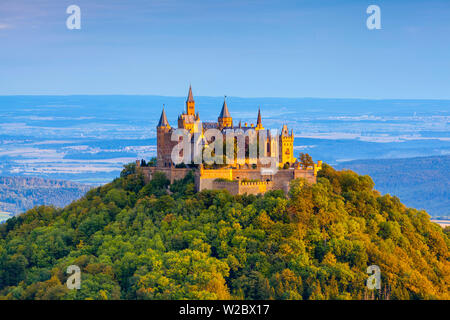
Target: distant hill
pixel 18 194
pixel 422 183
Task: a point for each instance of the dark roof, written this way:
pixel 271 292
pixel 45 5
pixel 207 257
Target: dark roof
pixel 190 97
pixel 259 117
pixel 163 120
pixel 224 113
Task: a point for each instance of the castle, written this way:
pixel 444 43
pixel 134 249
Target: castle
pixel 238 177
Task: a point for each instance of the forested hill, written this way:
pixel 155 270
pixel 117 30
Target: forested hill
pixel 139 242
pixel 18 194
pixel 422 182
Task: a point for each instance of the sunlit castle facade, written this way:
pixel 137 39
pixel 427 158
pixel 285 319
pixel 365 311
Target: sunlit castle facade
pixel 281 146
pixel 238 177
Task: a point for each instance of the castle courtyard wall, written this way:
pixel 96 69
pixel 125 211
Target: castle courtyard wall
pixel 171 173
pixel 206 179
pixel 231 186
pixel 255 188
pixel 209 179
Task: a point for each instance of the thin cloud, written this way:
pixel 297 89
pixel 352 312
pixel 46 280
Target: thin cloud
pixel 4 26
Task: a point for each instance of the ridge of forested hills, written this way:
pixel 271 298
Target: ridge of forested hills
pixel 422 182
pixel 18 194
pixel 133 240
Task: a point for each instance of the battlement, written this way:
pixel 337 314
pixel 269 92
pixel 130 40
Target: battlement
pixel 254 183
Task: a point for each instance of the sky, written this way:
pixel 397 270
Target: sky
pixel 243 48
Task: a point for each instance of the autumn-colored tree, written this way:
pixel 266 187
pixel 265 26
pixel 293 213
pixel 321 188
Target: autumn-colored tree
pixel 306 160
pixel 158 240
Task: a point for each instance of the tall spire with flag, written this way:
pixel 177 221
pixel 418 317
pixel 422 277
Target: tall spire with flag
pixel 259 121
pixel 163 119
pixel 224 113
pixel 190 97
pixel 190 103
pixel 225 119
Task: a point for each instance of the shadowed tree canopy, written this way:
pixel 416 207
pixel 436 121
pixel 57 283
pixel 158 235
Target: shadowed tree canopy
pixel 133 240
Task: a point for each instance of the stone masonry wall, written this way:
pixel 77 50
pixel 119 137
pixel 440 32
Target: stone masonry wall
pixel 207 179
pixel 171 173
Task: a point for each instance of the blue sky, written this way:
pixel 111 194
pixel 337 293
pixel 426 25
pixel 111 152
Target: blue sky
pixel 247 48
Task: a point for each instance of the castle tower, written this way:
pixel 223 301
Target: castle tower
pixel 259 125
pixel 225 119
pixel 190 103
pixel 164 145
pixel 286 146
pixel 163 123
pixel 189 120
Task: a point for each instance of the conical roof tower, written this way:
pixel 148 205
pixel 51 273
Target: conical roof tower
pixel 225 119
pixel 259 125
pixel 163 119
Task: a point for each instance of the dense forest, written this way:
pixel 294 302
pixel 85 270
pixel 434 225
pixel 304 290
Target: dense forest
pixel 422 182
pixel 18 194
pixel 154 241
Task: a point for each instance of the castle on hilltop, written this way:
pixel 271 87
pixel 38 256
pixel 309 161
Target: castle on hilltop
pixel 238 177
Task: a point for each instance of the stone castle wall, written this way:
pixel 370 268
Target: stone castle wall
pixel 238 187
pixel 209 179
pixel 171 173
pixel 280 181
pixel 249 174
pixel 231 186
pixel 259 187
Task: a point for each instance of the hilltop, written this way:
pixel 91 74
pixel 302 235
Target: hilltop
pixel 137 241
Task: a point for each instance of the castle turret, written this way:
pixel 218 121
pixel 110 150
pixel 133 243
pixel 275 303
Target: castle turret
pixel 225 119
pixel 188 120
pixel 163 120
pixel 286 146
pixel 259 125
pixel 190 103
pixel 164 144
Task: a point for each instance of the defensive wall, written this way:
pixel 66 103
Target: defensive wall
pixel 236 181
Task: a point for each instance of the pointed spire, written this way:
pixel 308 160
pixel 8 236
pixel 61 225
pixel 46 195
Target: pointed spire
pixel 258 122
pixel 240 124
pixel 190 97
pixel 163 120
pixel 224 113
